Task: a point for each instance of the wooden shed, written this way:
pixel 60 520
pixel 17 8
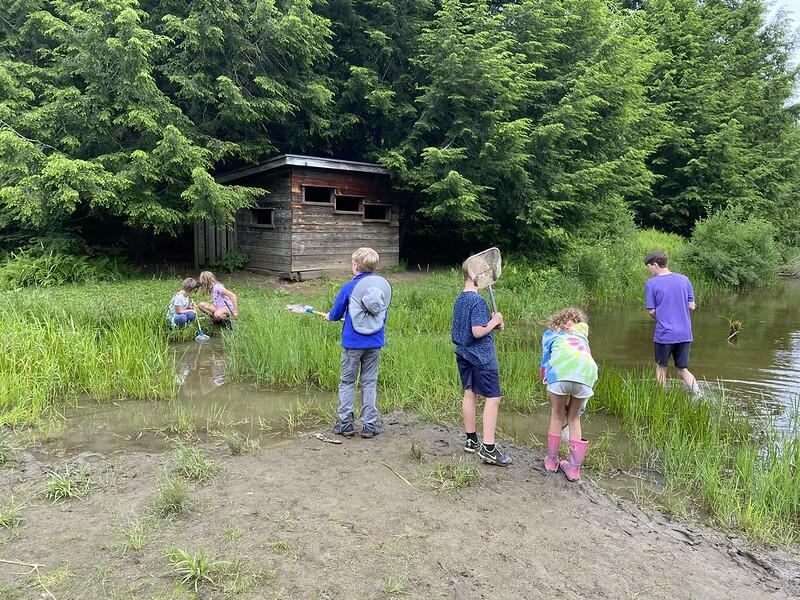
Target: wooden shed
pixel 315 213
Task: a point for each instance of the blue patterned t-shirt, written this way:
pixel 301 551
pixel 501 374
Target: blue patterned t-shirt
pixel 471 309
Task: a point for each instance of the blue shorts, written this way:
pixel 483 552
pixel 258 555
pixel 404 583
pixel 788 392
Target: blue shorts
pixel 483 382
pixel 679 353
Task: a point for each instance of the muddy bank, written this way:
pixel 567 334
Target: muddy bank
pixel 317 520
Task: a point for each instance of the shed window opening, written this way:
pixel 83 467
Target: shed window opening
pixel 377 212
pixel 264 217
pixel 317 195
pixel 348 204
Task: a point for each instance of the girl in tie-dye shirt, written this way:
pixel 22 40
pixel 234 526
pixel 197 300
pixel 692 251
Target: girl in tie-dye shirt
pixel 569 372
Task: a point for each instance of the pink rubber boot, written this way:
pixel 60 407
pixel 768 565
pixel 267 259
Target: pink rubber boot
pixel 551 460
pixel 572 467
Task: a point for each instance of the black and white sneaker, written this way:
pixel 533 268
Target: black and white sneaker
pixel 471 446
pixel 494 457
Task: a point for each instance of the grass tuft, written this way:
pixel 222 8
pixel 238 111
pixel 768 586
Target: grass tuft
pixel 136 534
pixel 192 465
pixel 11 517
pixel 172 498
pixel 304 416
pixel 238 443
pixel 67 484
pixel 453 474
pixel 195 569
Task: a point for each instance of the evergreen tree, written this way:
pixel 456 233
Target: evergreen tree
pixel 111 109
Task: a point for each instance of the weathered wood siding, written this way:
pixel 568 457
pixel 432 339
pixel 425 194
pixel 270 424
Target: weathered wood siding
pixel 269 248
pixel 324 240
pixel 211 243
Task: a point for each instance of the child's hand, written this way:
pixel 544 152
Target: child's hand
pixel 326 316
pixel 542 375
pixel 498 320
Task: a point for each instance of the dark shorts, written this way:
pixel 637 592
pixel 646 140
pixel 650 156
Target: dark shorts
pixel 483 382
pixel 679 353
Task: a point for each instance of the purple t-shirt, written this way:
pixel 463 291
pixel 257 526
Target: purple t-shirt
pixel 670 295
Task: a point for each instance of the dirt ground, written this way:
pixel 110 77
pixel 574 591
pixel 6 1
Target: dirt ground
pixel 309 519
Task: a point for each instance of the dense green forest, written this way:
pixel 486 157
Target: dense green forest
pixel 535 124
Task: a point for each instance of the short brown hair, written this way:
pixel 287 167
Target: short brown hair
pixel 189 285
pixel 366 259
pixel 574 314
pixel 657 257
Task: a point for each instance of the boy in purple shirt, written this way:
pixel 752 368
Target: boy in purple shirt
pixel 669 298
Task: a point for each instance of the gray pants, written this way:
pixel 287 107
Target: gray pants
pixel 367 361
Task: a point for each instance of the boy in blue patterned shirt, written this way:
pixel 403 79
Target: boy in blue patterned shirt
pixel 477 366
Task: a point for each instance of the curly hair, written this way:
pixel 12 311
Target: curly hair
pixel 574 314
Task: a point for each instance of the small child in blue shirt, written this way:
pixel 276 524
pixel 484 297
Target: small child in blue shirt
pixel 476 359
pixel 181 308
pixel 363 302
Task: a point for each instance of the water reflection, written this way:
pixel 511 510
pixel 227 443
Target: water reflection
pixel 205 394
pixel 761 372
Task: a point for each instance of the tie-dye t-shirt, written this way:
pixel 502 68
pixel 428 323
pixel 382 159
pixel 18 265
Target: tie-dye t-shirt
pixel 566 356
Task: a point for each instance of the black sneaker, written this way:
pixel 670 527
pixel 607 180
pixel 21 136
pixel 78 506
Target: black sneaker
pixel 371 430
pixel 495 457
pixel 345 428
pixel 471 446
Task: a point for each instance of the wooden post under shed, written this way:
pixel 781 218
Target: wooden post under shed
pixel 314 213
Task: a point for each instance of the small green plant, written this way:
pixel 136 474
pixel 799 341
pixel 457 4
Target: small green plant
pixel 67 484
pixel 395 585
pixel 452 475
pixel 195 569
pixel 304 416
pixel 11 516
pixel 136 534
pixel 192 465
pixel 172 498
pixel 181 423
pixel 232 261
pixel 238 443
pixel 281 547
pixel 237 578
pixel 231 532
pixel 400 267
pixel 415 452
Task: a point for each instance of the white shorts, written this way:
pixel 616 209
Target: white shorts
pixel 570 388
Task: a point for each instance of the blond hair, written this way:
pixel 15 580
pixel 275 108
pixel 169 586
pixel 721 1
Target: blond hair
pixel 189 285
pixel 576 315
pixel 366 259
pixel 465 271
pixel 208 281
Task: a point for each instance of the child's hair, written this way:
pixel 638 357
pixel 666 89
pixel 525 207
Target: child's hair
pixel 465 271
pixel 366 260
pixel 208 281
pixel 576 315
pixel 658 257
pixel 189 285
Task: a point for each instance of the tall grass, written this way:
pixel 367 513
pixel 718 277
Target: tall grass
pixel 705 449
pixel 417 369
pixel 91 341
pixel 745 478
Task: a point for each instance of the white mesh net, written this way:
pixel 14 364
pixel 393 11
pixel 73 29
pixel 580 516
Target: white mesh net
pixel 485 267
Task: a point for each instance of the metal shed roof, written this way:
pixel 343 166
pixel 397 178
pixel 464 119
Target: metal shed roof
pixel 299 160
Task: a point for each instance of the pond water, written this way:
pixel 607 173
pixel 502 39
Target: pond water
pixel 206 398
pixel 761 371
